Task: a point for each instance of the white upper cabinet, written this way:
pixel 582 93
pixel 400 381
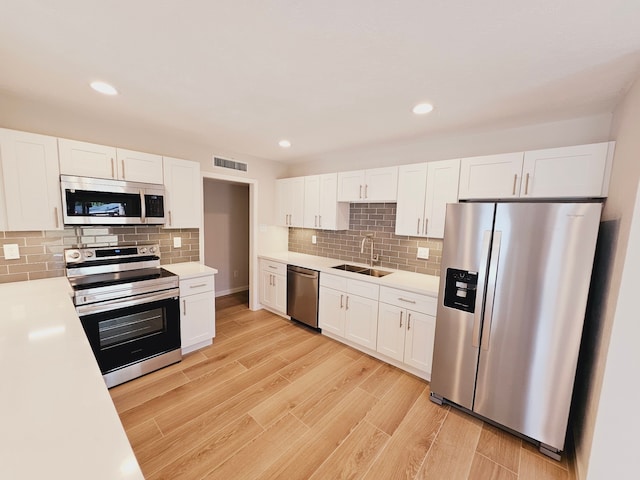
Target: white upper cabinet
pixel 321 207
pixel 139 166
pixel 101 161
pixel 290 198
pixel 491 176
pixel 87 159
pixel 183 193
pixel 31 181
pixel 375 185
pixel 424 189
pixel 578 171
pixel 412 189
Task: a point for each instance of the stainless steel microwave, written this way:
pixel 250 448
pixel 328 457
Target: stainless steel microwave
pixel 100 201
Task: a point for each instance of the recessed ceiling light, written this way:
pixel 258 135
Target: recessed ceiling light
pixel 103 87
pixel 422 108
pixel 284 143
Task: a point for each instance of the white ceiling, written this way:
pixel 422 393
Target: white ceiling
pixel 327 74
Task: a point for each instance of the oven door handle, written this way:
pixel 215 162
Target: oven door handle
pixel 116 304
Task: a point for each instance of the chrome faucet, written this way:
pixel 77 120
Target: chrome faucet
pixel 373 257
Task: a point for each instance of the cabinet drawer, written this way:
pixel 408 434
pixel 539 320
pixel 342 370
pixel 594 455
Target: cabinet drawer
pixel 192 286
pixel 276 268
pixel 333 281
pixel 409 300
pixel 363 289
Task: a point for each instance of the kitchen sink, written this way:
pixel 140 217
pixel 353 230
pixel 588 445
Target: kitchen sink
pixel 372 272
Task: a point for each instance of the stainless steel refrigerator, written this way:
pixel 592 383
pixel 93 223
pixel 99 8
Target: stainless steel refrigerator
pixel 513 292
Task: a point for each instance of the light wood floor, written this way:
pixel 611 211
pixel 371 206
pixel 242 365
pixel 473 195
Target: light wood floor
pixel 274 400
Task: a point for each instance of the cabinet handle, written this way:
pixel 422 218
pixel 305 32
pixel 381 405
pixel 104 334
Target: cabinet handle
pixel 184 307
pixel 113 173
pixel 315 221
pixel 198 286
pixel 365 190
pixel 346 307
pixel 515 179
pixel 418 228
pixel 123 169
pixel 426 223
pixel 273 280
pixel 271 266
pixel 526 185
pixel 55 216
pixel 409 322
pixel 319 221
pixel 170 222
pixel 406 300
pixel 341 297
pixel 401 318
pixel 360 196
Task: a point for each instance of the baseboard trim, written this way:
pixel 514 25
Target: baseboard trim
pixel 222 293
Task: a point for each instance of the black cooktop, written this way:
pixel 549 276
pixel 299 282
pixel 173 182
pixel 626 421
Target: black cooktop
pixel 106 279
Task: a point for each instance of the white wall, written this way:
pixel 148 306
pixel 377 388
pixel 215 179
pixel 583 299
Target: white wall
pixel 226 234
pixel 602 436
pixel 444 146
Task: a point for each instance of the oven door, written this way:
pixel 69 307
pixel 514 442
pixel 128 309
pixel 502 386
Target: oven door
pixel 126 331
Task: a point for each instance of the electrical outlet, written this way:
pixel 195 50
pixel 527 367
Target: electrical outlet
pixel 177 242
pixel 423 253
pixel 235 274
pixel 11 251
pixel 314 239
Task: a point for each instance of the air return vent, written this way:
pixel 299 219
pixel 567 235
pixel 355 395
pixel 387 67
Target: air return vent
pixel 233 165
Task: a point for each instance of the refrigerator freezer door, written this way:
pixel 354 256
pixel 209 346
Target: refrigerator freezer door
pixel 532 329
pixel 465 255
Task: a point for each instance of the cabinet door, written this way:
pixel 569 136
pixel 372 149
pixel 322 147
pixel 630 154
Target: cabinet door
pixel 280 296
pixel 381 185
pixel 267 289
pixel 311 201
pixel 183 193
pixel 331 313
pixel 139 166
pixel 361 320
pixel 198 319
pixel 442 188
pixel 351 186
pixel 491 176
pixel 31 181
pixel 332 215
pixel 579 171
pixel 418 350
pixel 391 331
pixel 87 159
pixel 412 185
pixel 290 199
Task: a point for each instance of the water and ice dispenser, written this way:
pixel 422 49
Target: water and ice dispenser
pixel 460 289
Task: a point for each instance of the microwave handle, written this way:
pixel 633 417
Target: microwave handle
pixel 143 207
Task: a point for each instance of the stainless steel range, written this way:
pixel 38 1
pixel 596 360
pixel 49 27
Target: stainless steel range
pixel 129 308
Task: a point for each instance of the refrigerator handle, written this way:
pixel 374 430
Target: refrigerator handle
pixel 491 289
pixel 482 281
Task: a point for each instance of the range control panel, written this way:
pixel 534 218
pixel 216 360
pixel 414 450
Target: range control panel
pixel 460 289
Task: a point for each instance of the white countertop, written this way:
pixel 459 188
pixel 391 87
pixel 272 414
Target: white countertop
pixel 190 269
pixel 57 418
pixel 414 282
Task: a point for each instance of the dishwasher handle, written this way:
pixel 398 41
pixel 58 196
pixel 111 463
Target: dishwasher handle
pixel 304 272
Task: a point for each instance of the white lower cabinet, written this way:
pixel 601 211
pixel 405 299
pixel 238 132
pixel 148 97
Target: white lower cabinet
pixel 273 286
pixel 406 327
pixel 348 308
pixel 197 312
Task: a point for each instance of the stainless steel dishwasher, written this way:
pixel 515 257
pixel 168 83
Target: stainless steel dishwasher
pixel 302 295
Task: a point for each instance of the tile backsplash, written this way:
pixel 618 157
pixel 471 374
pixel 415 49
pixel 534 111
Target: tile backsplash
pixel 41 251
pixel 395 251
